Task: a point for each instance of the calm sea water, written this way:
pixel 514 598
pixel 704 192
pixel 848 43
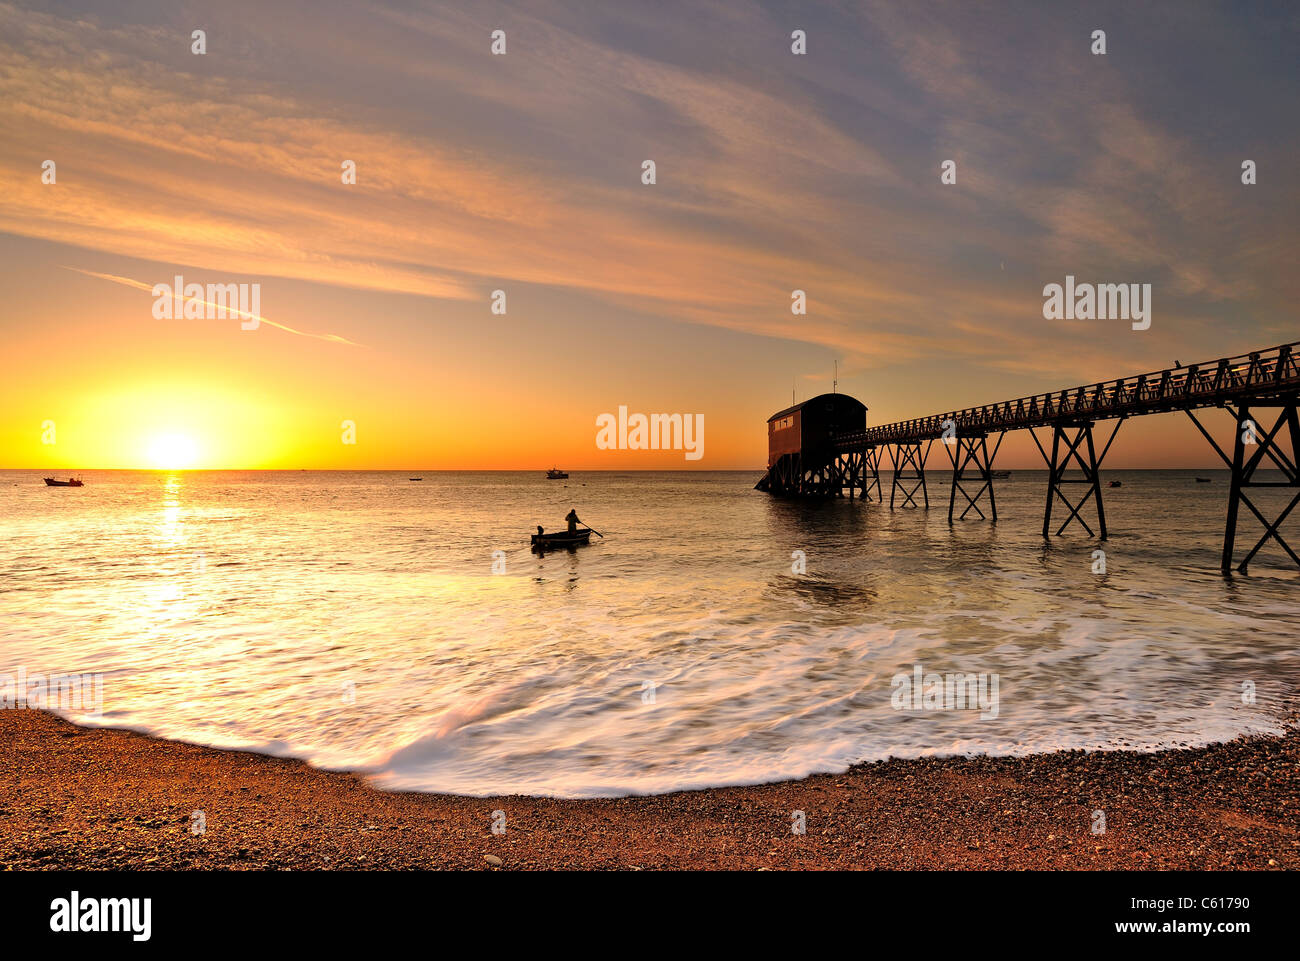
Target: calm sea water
pixel 355 620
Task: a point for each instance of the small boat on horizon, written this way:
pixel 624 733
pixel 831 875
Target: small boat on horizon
pixel 415 478
pixel 1115 484
pixel 1000 474
pixel 70 482
pixel 1202 480
pixel 556 474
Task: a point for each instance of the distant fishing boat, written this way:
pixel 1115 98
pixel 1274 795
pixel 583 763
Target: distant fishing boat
pixel 1202 480
pixel 556 474
pixel 562 539
pixel 1000 474
pixel 415 478
pixel 1115 484
pixel 70 482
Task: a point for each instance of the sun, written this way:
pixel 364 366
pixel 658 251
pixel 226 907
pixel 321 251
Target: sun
pixel 172 452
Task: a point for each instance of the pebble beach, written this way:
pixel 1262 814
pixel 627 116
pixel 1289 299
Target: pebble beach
pixel 77 798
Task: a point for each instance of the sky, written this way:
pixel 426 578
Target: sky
pixel 523 173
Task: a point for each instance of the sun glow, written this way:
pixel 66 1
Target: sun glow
pixel 172 452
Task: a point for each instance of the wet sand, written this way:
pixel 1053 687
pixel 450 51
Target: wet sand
pixel 99 799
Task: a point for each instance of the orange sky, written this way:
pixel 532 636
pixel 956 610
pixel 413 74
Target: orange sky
pixel 522 173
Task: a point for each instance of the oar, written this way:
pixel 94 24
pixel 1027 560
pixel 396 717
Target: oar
pixel 594 531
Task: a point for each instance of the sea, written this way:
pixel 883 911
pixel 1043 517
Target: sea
pixel 713 636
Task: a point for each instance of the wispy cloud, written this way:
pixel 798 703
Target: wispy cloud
pixel 775 172
pixel 140 285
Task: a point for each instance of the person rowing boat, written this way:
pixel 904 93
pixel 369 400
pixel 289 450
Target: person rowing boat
pixel 573 535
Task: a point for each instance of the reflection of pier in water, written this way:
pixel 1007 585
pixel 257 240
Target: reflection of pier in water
pixel 823 447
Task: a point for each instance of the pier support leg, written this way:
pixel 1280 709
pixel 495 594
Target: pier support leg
pixel 963 453
pixel 871 474
pixel 1064 450
pixel 856 474
pixel 785 476
pixel 904 456
pixel 835 477
pixel 1250 446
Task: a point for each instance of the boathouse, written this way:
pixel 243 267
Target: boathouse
pixel 800 443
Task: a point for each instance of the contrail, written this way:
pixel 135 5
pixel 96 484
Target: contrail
pixel 128 282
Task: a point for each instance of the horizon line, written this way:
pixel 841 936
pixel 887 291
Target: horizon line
pixel 509 470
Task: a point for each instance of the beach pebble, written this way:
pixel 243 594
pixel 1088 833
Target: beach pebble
pixel 493 860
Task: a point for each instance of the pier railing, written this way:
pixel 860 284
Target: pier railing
pixel 1260 375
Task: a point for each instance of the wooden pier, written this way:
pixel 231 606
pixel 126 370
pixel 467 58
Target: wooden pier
pixel 823 447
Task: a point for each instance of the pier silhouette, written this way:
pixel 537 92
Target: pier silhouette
pixel 823 448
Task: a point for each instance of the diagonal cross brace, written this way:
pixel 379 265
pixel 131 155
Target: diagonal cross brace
pixel 902 456
pixel 873 461
pixel 968 450
pixel 1058 464
pixel 1243 475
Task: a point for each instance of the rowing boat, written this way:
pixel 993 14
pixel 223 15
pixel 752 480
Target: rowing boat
pixel 562 539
